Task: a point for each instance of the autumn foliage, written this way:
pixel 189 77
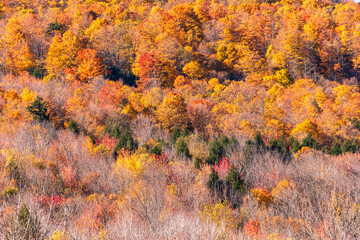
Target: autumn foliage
pixel 179 119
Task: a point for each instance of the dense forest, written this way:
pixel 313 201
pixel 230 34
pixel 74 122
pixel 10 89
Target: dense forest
pixel 179 119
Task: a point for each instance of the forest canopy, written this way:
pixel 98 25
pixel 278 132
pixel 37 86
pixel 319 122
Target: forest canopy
pixel 211 119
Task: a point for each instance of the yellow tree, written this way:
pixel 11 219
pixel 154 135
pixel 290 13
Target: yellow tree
pixel 172 112
pixel 183 23
pixel 62 53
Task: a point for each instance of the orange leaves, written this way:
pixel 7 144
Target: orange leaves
pixel 16 104
pixel 148 69
pixel 153 71
pixel 261 195
pixel 112 93
pixel 90 66
pixel 252 229
pixel 18 57
pixel 94 218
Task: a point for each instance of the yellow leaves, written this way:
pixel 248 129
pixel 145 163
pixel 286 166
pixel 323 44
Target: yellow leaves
pixel 303 152
pixel 275 91
pixel 16 104
pixel 184 24
pixel 303 129
pixel 220 214
pixel 194 70
pixel 134 164
pixel 134 104
pixel 281 189
pixel 15 159
pixel 197 148
pixel 224 108
pixel 103 235
pixel 172 189
pixel 310 31
pixel 281 76
pixel 27 96
pixel 62 52
pixel 95 26
pixel 9 190
pixel 13 31
pixel 151 98
pixel 276 236
pixel 172 112
pixel 99 149
pixel 213 82
pixel 78 101
pixel 2 9
pixel 9 155
pixel 344 93
pixel 235 124
pixel 320 96
pixel 58 235
pixel 227 53
pixel 218 88
pixel 261 196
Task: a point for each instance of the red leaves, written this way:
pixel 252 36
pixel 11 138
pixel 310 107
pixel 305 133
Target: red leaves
pixel 107 141
pixel 223 168
pixel 148 69
pixel 47 201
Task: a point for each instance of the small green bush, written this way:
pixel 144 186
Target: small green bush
pixel 38 109
pixel 182 148
pixel 73 127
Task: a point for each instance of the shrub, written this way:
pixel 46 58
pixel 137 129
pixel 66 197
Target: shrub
pixel 175 135
pixel 115 132
pixel 349 146
pixel 38 109
pixel 58 235
pixel 126 141
pixel 220 214
pixel 235 180
pixel 310 142
pixel 295 145
pixel 182 148
pixel 55 27
pixel 29 227
pixel 222 168
pixel 356 123
pixel 336 149
pixel 261 195
pixel 156 150
pixel 216 151
pixel 215 184
pixel 73 127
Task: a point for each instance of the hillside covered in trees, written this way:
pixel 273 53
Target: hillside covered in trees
pixel 179 119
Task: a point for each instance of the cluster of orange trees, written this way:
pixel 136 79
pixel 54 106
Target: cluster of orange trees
pixel 126 119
